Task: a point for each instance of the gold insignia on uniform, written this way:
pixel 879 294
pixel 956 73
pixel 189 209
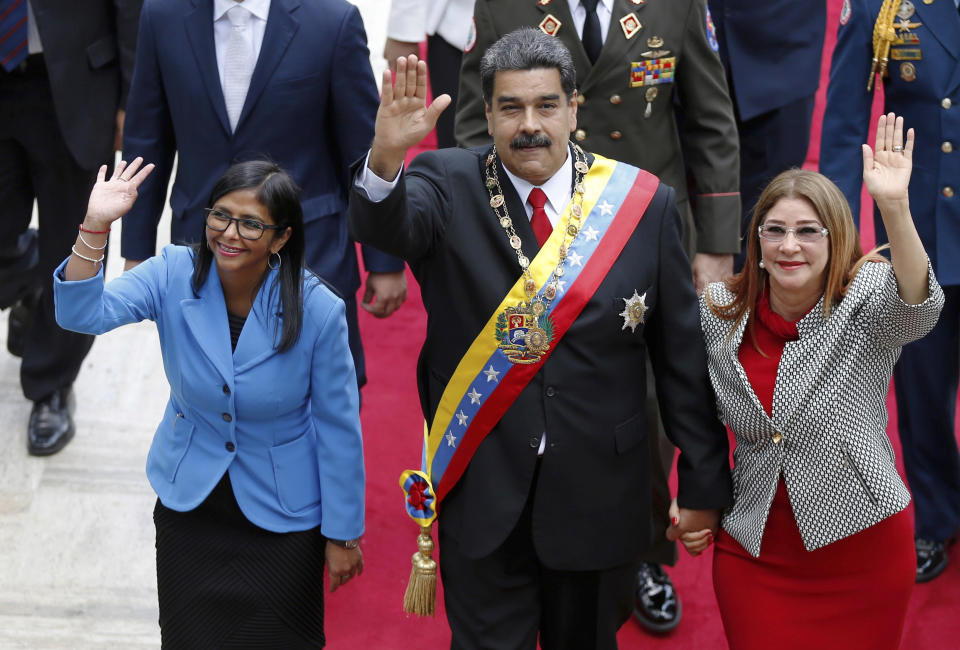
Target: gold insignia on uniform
pixel 544 3
pixel 905 26
pixel 650 95
pixel 907 38
pixel 906 9
pixel 630 25
pixel 654 42
pixel 906 54
pixel 550 25
pixel 654 54
pixel 908 72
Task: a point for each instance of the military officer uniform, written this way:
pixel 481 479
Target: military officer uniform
pixel 922 85
pixel 656 55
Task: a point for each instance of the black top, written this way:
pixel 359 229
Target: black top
pixel 236 325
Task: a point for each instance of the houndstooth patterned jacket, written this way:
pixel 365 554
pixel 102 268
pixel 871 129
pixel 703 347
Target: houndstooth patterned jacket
pixel 827 435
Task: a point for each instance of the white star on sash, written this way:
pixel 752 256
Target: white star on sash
pixel 474 395
pixel 461 418
pixel 606 209
pixel 576 259
pixel 492 375
pixel 591 234
pixel 561 285
pixel 451 439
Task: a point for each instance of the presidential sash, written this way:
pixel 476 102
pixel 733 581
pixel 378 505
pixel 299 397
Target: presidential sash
pixel 489 376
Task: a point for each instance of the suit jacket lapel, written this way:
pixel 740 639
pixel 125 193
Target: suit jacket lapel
pixel 616 44
pixel 943 22
pixel 281 26
pixel 258 338
pixel 733 348
pixel 568 35
pixel 199 28
pixel 206 318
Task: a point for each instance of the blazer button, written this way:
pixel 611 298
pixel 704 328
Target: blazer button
pixel 230 447
pixel 535 441
pixel 947 191
pixel 615 135
pixel 615 99
pixel 946 147
pixel 226 389
pixel 551 391
pixel 227 418
pixel 580 135
pixel 777 438
pixel 946 103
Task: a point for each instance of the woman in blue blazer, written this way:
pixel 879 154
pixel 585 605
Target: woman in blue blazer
pixel 258 461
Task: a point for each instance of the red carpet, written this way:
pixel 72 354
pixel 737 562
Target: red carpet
pixel 366 614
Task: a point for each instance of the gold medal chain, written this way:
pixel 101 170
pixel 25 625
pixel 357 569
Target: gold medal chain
pixel 570 231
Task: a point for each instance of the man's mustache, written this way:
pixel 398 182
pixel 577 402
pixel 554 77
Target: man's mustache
pixel 530 140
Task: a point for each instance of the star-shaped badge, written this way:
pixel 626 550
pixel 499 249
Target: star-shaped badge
pixel 461 418
pixel 634 311
pixel 576 259
pixel 451 439
pixel 606 208
pixel 591 234
pixel 492 375
pixel 474 396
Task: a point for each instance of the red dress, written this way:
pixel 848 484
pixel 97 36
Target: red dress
pixel 849 594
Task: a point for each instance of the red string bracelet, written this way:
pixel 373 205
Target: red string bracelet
pixel 94 232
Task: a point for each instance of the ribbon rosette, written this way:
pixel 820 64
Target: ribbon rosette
pixel 419 496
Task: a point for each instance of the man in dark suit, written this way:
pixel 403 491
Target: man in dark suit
pixel 219 81
pixel 651 93
pixel 64 77
pixel 570 267
pixel 771 51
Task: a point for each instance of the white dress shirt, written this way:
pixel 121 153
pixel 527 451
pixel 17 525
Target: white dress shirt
pixel 221 27
pixel 604 13
pixel 411 21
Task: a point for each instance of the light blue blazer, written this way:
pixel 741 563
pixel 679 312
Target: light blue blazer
pixel 286 425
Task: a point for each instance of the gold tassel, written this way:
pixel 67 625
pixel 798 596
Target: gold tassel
pixel 884 34
pixel 421 595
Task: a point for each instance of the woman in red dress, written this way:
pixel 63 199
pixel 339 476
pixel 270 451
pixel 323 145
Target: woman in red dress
pixel 817 550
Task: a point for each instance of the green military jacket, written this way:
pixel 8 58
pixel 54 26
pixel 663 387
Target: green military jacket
pixel 656 98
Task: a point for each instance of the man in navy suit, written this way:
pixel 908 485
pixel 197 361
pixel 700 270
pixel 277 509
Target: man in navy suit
pixel 771 52
pixel 923 84
pixel 220 81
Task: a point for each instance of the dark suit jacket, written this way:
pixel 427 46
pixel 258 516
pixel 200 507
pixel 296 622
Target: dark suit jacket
pixel 593 491
pixel 310 107
pixel 772 50
pixel 611 120
pixel 88 50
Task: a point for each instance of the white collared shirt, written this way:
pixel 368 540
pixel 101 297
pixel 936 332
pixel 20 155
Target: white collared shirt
pixel 259 9
pixel 557 188
pixel 604 13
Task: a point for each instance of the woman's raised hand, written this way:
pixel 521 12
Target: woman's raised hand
pixel 112 198
pixel 887 167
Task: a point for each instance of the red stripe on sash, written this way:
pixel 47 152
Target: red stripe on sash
pixel 565 313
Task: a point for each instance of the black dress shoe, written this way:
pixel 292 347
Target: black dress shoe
pixel 931 559
pixel 656 605
pixel 51 423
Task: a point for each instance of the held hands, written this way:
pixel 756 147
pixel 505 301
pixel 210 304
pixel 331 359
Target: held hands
pixel 342 564
pixel 886 170
pixel 113 198
pixel 403 119
pixel 694 528
pixel 384 293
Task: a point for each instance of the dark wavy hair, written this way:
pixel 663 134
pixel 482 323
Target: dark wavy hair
pixel 276 190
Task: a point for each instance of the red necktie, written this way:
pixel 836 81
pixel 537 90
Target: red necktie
pixel 539 221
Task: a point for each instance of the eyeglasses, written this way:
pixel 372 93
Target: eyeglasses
pixel 250 229
pixel 804 234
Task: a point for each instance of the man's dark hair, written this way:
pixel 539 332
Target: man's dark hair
pixel 280 195
pixel 527 49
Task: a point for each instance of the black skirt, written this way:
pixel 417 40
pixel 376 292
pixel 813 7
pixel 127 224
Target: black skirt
pixel 222 582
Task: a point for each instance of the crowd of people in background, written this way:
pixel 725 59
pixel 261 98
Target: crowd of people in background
pixel 645 253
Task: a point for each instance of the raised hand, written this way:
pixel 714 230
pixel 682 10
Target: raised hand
pixel 403 119
pixel 887 168
pixel 113 198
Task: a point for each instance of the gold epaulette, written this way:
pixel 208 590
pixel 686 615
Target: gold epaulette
pixel 883 35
